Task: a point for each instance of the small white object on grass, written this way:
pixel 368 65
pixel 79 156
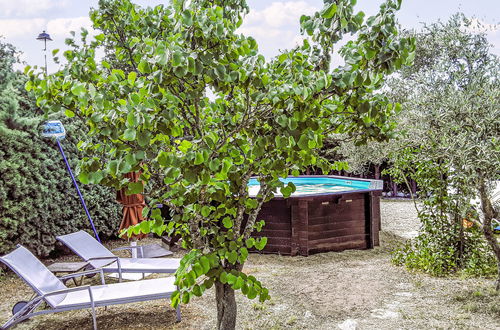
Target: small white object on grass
pixel 348 324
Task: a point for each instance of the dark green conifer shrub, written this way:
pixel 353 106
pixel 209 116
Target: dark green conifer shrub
pixel 37 198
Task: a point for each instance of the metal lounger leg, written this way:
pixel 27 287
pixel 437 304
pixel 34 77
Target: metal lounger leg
pixel 92 304
pixel 23 313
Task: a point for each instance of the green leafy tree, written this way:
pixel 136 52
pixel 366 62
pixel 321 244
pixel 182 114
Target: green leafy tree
pixel 37 198
pixel 451 147
pixel 147 104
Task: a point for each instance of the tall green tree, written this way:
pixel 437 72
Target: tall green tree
pixel 147 104
pixel 451 98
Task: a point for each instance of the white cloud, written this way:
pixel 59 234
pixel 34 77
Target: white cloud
pixel 29 28
pixel 18 28
pixel 27 8
pixel 276 26
pixel 60 27
pixel 280 14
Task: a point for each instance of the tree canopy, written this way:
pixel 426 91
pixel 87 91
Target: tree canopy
pixel 146 102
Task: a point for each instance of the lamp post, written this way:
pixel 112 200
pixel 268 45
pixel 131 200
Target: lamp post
pixel 45 37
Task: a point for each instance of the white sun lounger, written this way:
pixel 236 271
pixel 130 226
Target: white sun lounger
pixel 98 256
pixel 51 290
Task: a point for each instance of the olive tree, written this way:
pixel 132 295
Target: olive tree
pixel 451 101
pixel 147 103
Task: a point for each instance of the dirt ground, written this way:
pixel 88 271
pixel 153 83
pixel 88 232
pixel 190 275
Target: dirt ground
pixel 346 290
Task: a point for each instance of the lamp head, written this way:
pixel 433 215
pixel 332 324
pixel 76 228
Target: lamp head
pixel 44 36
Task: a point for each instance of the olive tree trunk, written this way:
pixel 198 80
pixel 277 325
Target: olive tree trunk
pixel 226 306
pixel 488 214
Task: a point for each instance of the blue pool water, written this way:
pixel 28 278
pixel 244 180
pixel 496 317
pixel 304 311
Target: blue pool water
pixel 315 185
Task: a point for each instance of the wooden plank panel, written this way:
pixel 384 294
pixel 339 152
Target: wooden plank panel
pixel 356 215
pixel 376 221
pixel 336 233
pixel 357 245
pixel 277 226
pixel 275 249
pixel 334 225
pixel 278 241
pixel 334 240
pixel 274 233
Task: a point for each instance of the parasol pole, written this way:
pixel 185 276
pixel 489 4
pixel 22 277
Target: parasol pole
pixel 54 128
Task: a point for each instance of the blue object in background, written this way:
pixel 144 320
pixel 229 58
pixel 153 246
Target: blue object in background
pixel 55 129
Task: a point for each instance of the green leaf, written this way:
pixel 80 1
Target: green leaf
pixel 131 77
pixel 243 253
pixel 135 188
pixel 205 211
pixel 303 142
pixel 145 227
pixel 251 203
pixel 261 243
pixel 198 269
pixel 69 113
pixel 227 222
pixel 238 283
pixel 205 263
pixel 78 89
pixel 83 177
pixel 175 299
pixel 330 11
pixel 144 67
pixel 214 165
pixel 187 17
pixel 186 296
pixel 232 256
pixel 252 293
pixel 199 159
pixel 197 290
pixel 286 191
pixel 143 139
pixel 177 58
pixel 129 134
pixel 223 277
pixel 185 145
pixel 250 242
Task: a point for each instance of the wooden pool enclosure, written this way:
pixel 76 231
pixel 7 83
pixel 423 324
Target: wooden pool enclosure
pixel 302 225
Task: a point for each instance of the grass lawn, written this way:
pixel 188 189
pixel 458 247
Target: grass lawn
pixel 347 290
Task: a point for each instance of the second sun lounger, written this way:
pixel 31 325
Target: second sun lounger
pixel 98 256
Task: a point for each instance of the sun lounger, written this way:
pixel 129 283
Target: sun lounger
pixel 51 290
pixel 98 256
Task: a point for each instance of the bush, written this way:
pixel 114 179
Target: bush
pixel 38 199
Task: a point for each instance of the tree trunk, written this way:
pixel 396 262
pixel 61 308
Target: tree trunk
pixel 377 172
pixel 226 306
pixel 488 214
pixel 414 187
pixel 394 189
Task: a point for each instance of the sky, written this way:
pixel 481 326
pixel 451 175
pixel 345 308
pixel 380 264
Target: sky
pixel 274 24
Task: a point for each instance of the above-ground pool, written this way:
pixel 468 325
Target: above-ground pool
pixel 326 213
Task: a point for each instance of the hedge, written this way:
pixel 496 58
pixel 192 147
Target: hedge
pixel 37 198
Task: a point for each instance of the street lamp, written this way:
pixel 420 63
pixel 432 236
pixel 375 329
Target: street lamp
pixel 45 37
